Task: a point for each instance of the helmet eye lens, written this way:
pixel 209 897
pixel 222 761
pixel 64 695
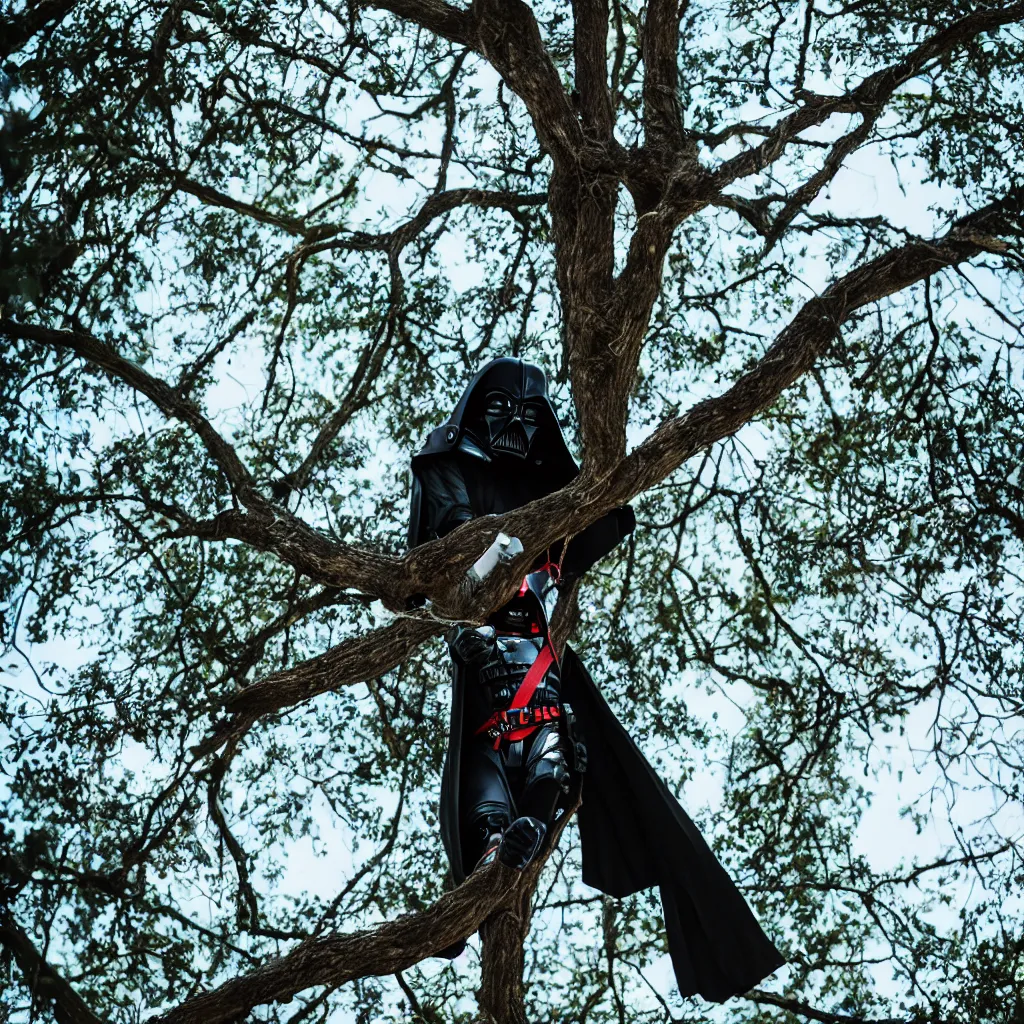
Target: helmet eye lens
pixel 497 405
pixel 531 415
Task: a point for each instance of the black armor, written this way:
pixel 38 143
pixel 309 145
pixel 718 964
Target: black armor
pixel 525 726
pixel 519 755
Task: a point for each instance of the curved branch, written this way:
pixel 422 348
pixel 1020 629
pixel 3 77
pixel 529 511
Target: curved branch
pixel 802 1009
pixel 353 661
pixel 170 402
pixel 336 959
pixel 442 19
pixel 796 349
pixel 265 526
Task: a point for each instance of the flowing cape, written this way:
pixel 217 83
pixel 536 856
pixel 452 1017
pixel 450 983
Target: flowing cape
pixel 635 835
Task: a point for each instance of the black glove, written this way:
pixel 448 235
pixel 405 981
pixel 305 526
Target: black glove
pixel 471 648
pixel 521 843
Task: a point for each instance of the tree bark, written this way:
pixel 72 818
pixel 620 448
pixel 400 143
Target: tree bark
pixel 504 936
pixel 501 995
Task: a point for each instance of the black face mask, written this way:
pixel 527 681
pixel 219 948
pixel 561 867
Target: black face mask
pixel 509 424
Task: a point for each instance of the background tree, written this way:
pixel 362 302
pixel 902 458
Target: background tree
pixel 771 257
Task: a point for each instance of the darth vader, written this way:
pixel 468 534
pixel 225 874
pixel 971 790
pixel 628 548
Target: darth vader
pixel 528 727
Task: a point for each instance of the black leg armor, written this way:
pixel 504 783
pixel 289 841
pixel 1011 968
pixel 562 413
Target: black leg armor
pixel 546 774
pixel 517 761
pixel 486 795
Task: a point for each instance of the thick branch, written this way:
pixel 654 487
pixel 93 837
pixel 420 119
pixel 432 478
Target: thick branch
pixel 590 47
pixel 265 526
pixel 438 17
pixel 503 937
pixel 792 354
pixel 508 36
pixel 336 959
pixel 354 661
pixel 663 122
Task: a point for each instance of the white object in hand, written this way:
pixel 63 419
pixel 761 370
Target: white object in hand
pixel 504 549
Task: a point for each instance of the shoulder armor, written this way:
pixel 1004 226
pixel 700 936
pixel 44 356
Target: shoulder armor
pixel 470 447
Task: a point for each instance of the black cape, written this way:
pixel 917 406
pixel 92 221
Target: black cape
pixel 635 835
pixel 633 832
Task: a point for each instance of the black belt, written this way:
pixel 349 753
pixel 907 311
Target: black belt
pixel 501 723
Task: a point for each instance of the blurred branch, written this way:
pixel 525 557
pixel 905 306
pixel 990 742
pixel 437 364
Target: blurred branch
pixel 42 981
pixel 45 14
pixel 803 1009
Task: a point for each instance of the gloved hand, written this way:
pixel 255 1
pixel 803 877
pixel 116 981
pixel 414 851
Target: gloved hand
pixel 521 843
pixel 502 550
pixel 472 647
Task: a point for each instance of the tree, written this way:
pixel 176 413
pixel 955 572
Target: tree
pixel 771 257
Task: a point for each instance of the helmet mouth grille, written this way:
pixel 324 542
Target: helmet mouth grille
pixel 511 440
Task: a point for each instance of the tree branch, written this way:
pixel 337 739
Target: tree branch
pixel 590 48
pixel 265 526
pixel 663 120
pixel 161 394
pixel 792 353
pixel 41 979
pixel 363 657
pixel 322 238
pixel 350 662
pixel 18 31
pixel 803 1009
pixel 336 959
pixel 795 350
pixel 806 193
pixel 509 37
pixel 870 95
pixel 442 19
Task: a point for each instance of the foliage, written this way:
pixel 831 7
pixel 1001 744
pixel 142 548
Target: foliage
pixel 310 223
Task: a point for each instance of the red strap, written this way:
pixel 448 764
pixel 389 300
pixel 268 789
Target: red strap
pixel 527 688
pixel 535 674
